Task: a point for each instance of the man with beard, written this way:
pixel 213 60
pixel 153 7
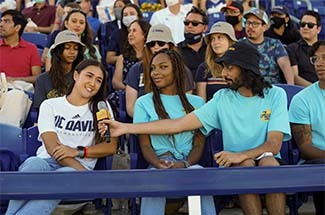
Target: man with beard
pixel 234 15
pixel 274 56
pixel 282 27
pixel 252 115
pixel 193 47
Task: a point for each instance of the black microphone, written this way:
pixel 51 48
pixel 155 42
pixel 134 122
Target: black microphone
pixel 103 113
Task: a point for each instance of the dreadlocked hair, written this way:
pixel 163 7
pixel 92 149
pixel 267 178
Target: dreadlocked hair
pixel 179 74
pixel 58 68
pixel 254 81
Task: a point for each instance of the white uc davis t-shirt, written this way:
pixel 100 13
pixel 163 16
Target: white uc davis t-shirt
pixel 72 124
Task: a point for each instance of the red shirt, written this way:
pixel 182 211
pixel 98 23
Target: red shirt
pixel 42 17
pixel 19 60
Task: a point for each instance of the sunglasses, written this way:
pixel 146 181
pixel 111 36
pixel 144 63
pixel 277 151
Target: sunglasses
pixel 194 23
pixel 153 43
pixel 309 24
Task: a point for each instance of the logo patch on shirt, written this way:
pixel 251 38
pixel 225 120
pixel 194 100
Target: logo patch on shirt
pixel 265 115
pixel 76 116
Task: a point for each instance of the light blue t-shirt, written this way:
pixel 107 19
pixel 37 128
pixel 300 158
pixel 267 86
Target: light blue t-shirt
pixel 144 111
pixel 308 107
pixel 245 121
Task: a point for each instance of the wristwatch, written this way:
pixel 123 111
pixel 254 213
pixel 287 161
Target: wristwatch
pixel 186 164
pixel 81 151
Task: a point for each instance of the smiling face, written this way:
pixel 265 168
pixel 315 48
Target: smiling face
pixel 162 74
pixel 88 81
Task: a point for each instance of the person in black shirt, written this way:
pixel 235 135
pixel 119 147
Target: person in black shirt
pixel 310 27
pixel 282 27
pixel 193 47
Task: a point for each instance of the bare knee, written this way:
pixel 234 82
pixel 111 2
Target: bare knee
pixel 248 163
pixel 268 161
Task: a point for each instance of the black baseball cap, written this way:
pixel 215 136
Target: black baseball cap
pixel 281 10
pixel 233 5
pixel 242 54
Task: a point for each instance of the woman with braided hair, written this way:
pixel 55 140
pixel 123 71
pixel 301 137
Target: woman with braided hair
pixel 166 101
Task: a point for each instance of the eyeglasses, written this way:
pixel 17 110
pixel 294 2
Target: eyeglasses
pixel 194 23
pixel 254 24
pixel 309 24
pixel 315 59
pixel 153 43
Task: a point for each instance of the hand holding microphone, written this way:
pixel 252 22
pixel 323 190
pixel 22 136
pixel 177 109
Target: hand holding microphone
pixel 103 113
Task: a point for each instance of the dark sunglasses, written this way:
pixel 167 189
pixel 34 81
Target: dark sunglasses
pixel 309 24
pixel 194 23
pixel 153 43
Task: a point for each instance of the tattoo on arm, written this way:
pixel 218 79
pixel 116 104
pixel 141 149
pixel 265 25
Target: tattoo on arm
pixel 301 133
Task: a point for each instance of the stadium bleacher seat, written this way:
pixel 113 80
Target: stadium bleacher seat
pixel 32 144
pixel 39 39
pixel 12 138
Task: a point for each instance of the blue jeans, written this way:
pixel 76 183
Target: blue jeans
pixel 156 205
pixel 39 207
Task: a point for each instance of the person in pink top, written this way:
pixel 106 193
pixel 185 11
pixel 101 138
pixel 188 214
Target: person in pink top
pixel 19 59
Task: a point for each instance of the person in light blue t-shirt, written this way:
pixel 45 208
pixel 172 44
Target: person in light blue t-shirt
pixel 307 117
pixel 169 100
pixel 252 115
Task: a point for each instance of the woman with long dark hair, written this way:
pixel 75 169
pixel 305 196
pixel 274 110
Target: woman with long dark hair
pixel 138 78
pixel 76 21
pixel 168 100
pixel 67 52
pixel 69 134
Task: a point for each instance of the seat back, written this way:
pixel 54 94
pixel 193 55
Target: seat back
pixel 289 152
pixel 12 139
pixel 290 90
pixel 32 143
pixel 39 39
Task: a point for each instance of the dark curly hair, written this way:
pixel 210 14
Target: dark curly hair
pixel 255 82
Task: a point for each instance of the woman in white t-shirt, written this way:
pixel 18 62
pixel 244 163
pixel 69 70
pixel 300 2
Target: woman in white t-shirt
pixel 69 134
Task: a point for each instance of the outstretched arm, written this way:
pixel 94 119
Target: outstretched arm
pixel 165 126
